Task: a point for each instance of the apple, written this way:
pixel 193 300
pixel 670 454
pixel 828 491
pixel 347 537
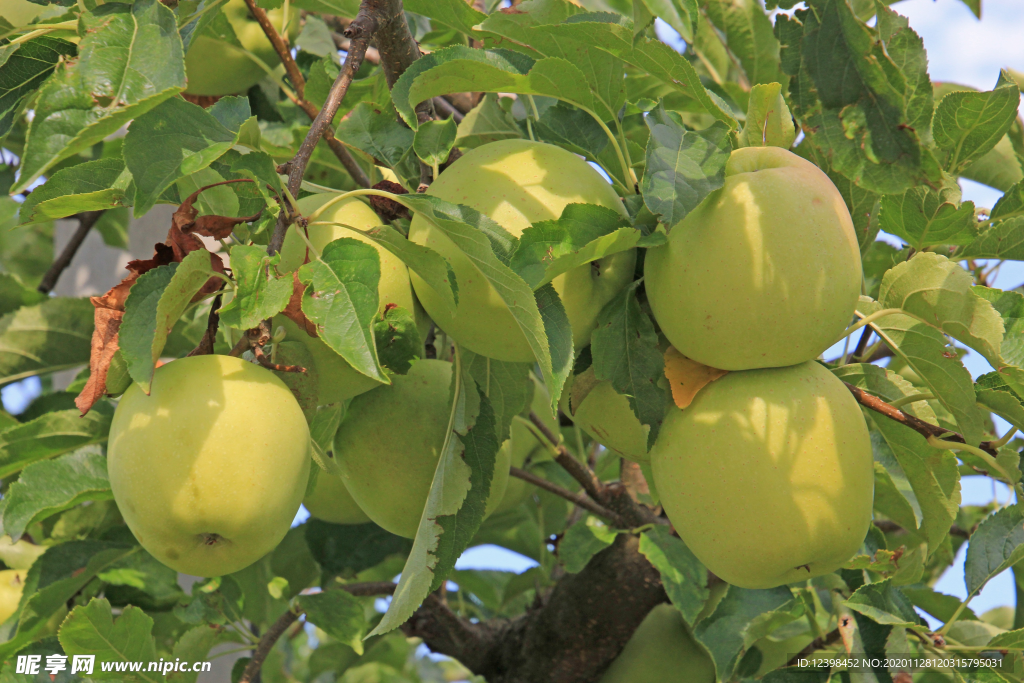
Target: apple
pixel 209 470
pixel 764 273
pixel 20 554
pixel 389 444
pixel 219 67
pixel 768 476
pixel 331 502
pixel 12 581
pixel 337 379
pixel 661 649
pixel 604 414
pixel 517 183
pixel 523 443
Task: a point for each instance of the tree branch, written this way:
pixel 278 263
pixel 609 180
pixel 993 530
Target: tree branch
pixel 205 346
pixel 299 83
pixel 266 644
pixel 925 429
pixel 575 498
pixel 359 31
pixel 580 472
pixel 448 109
pixel 86 221
pixel 343 43
pixel 816 644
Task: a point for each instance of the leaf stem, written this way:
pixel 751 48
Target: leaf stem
pixel 49 28
pixel 936 442
pixel 956 615
pixel 913 398
pixel 1005 439
pixel 867 320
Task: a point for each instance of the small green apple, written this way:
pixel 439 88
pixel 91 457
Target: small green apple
pixel 219 67
pixel 604 414
pixel 768 476
pixel 661 649
pixel 12 582
pixel 19 555
pixel 331 502
pixel 209 470
pixel 389 444
pixel 517 183
pixel 764 273
pixel 522 443
pixel 338 380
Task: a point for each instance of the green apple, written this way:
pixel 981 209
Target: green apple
pixel 764 273
pixel 331 502
pixel 661 649
pixel 768 476
pixel 389 444
pixel 517 183
pixel 209 470
pixel 12 581
pixel 604 414
pixel 219 67
pixel 338 380
pixel 19 555
pixel 523 443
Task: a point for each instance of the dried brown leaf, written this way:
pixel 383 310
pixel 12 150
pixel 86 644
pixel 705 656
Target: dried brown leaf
pixel 687 377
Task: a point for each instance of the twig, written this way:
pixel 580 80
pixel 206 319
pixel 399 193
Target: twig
pixel 86 220
pixel 580 472
pixel 359 31
pixel 266 644
pixel 343 43
pixel 447 108
pixel 205 347
pixel 923 428
pixel 369 588
pixel 862 343
pixel 299 83
pixel 576 498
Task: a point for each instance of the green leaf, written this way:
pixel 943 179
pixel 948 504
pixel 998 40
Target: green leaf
pixel 459 68
pixel 455 505
pixel 625 351
pixel 862 93
pixel 51 486
pixel 173 140
pixel 614 34
pixel 932 473
pixel 113 227
pixel 90 186
pixel 1004 240
pixel 155 302
pixel 338 614
pixel 141 572
pixel 54 579
pixel 116 78
pixel 508 387
pixel 347 549
pixel 936 290
pixel 305 386
pixel 51 336
pixel 748 32
pixel 997 395
pixel 923 217
pixel 939 605
pixel 433 268
pixel 883 603
pixel 434 140
pixel 25 67
pixel 455 14
pixel 893 493
pixel 259 294
pixel 583 233
pixel 996 545
pixel 969 124
pixel 769 122
pixel 194 646
pixel 374 130
pixel 91 629
pixel 682 574
pixel 577 131
pixel 14 295
pixel 486 122
pixel 52 434
pixel 679 14
pixel 581 542
pixel 683 166
pixel 723 633
pixel 341 300
pixel 1011 640
pixel 489 247
pixel 398 339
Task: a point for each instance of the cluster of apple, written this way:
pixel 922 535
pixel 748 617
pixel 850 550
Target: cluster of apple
pixel 767 475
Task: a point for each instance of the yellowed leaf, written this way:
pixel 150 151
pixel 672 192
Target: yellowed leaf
pixel 687 377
